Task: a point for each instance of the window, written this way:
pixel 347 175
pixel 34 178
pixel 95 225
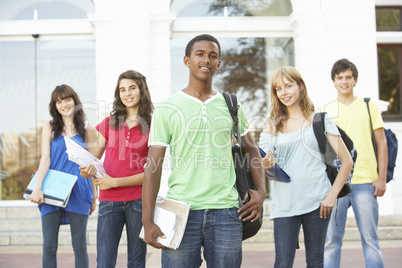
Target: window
pixel 388 18
pixel 29 71
pixel 45 9
pixel 234 8
pixel 389 71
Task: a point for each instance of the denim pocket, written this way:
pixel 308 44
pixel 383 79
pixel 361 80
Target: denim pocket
pixel 232 214
pixel 105 207
pixel 135 205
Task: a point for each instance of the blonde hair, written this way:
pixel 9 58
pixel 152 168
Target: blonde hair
pixel 279 111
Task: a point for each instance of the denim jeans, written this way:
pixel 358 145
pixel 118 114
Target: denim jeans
pixel 112 217
pixel 219 231
pixel 365 208
pixel 286 232
pixel 50 231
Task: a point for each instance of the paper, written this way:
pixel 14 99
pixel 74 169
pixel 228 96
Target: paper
pixel 176 223
pixel 275 173
pixel 56 187
pixel 82 157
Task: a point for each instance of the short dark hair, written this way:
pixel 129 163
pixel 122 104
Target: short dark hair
pixel 201 37
pixel 343 65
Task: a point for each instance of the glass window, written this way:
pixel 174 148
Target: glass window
pixel 45 9
pixel 236 8
pixel 388 18
pixel 247 65
pixel 28 74
pixel 389 71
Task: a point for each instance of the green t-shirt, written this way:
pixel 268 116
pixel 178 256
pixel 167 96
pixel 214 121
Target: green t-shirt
pixel 199 136
pixel 354 120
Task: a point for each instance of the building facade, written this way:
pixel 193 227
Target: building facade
pixel 87 44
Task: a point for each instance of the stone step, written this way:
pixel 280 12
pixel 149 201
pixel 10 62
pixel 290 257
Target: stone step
pixel 266 235
pixel 20 225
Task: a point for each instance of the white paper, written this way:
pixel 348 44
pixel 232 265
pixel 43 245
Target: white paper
pixel 82 157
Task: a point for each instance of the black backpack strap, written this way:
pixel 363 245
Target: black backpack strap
pixel 231 102
pixel 319 131
pixel 366 100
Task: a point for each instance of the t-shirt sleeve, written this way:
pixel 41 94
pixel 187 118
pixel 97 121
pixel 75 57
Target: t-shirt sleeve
pixel 103 128
pixel 330 126
pixel 159 133
pixel 243 123
pixel 375 116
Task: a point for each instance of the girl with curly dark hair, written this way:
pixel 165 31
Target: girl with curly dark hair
pixel 123 136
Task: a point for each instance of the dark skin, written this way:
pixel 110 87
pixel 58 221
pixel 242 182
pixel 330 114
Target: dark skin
pixel 203 62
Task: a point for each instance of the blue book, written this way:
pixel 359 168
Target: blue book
pixel 275 173
pixel 56 187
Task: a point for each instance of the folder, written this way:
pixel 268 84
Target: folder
pixel 171 217
pixel 56 187
pixel 275 173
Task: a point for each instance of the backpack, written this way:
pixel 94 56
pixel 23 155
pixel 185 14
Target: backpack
pixel 330 158
pixel 244 181
pixel 392 143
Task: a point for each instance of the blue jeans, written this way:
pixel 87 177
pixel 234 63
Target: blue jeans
pixel 112 217
pixel 50 231
pixel 365 208
pixel 219 231
pixel 286 232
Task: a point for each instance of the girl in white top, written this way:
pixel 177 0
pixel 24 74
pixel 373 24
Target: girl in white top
pixel 289 141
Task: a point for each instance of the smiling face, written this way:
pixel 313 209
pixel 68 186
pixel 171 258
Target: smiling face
pixel 203 61
pixel 345 82
pixel 288 92
pixel 129 93
pixel 65 107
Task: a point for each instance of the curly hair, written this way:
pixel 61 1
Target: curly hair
pixel 278 110
pixel 145 104
pixel 60 93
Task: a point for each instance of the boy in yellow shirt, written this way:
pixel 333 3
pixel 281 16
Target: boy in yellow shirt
pixel 350 113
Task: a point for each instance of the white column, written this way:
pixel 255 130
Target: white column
pixel 160 77
pixel 122 32
pixel 327 30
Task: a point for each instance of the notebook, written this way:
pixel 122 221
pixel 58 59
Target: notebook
pixel 56 187
pixel 275 173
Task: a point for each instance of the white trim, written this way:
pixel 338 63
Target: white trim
pixel 157 144
pixel 388 3
pixel 245 132
pixel 198 100
pixel 389 37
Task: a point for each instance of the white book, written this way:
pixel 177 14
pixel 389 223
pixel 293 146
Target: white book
pixel 56 187
pixel 171 217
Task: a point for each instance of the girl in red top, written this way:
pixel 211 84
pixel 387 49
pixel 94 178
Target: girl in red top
pixel 124 137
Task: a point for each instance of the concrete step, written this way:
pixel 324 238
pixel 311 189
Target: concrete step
pixel 20 225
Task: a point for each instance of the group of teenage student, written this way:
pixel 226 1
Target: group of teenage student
pixel 195 124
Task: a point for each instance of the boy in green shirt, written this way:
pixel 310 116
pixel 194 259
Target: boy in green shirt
pixel 196 124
